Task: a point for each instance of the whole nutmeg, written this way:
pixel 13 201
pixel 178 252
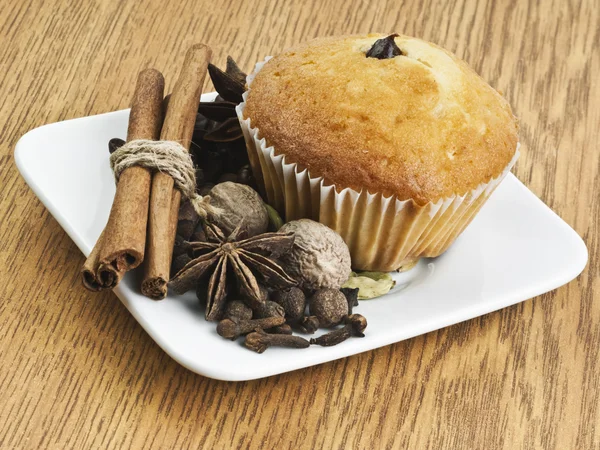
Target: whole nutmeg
pixel 293 302
pixel 239 205
pixel 329 306
pixel 269 309
pixel 319 258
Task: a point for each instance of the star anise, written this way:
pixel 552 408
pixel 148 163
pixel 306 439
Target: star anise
pixel 218 142
pixel 230 85
pixel 248 258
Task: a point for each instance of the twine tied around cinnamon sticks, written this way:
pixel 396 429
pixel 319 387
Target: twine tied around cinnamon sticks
pixel 168 157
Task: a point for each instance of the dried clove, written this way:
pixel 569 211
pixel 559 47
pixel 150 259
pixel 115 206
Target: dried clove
pixel 351 295
pixel 355 325
pixel 237 309
pixel 282 329
pixel 308 324
pixel 293 302
pixel 259 341
pixel 329 306
pixel 385 48
pixel 269 309
pixel 232 329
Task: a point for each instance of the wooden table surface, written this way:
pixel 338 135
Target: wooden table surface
pixel 77 371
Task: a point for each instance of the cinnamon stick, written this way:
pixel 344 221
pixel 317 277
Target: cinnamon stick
pixel 96 276
pixel 122 243
pixel 164 199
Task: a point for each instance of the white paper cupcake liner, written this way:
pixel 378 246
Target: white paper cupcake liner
pixel 382 233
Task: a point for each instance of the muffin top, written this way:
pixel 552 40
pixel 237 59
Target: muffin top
pixel 422 125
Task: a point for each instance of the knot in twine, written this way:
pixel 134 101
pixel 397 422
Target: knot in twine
pixel 168 157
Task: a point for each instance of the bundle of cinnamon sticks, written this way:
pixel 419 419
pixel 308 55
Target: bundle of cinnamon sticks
pixel 143 219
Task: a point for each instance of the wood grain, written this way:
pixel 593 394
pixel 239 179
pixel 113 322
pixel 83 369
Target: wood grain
pixel 78 372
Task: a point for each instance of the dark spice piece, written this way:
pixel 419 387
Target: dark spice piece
pixel 202 293
pixel 355 325
pixel 244 175
pixel 181 246
pixel 262 297
pixel 187 220
pixel 218 142
pixel 329 306
pixel 202 126
pixel 228 87
pixel 269 309
pixel 259 341
pixel 247 257
pixel 204 190
pixel 234 71
pixel 308 324
pixel 232 329
pixel 217 111
pixel 179 262
pixel 293 302
pixel 281 329
pixel 237 309
pixel 384 48
pixel 114 144
pixel 199 235
pixel 351 295
pixel 226 131
pixel 232 177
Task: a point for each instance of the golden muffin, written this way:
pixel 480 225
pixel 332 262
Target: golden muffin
pixel 395 154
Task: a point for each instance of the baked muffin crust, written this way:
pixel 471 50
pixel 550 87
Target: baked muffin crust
pixel 422 126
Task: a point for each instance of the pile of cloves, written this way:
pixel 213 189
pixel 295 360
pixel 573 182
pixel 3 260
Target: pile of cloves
pixel 271 324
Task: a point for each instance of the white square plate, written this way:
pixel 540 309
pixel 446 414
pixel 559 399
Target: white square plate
pixel 515 249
